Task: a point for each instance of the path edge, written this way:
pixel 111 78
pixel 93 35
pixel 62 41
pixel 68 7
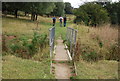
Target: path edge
pixel 68 52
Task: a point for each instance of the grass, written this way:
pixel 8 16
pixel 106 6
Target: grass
pixel 17 68
pixel 97 70
pixel 109 35
pixel 38 67
pixel 24 26
pixel 19 27
pixel 90 39
pixel 100 40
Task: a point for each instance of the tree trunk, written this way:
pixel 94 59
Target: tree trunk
pixel 32 16
pixel 16 13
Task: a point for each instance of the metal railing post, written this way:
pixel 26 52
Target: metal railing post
pixel 51 43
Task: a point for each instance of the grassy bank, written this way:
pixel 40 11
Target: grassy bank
pixel 103 69
pixel 97 52
pixel 38 65
pixel 17 68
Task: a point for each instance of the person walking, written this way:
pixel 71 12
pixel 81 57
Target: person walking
pixel 60 18
pixel 65 19
pixel 54 20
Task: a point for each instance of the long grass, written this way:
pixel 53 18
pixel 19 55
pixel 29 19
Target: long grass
pixel 97 51
pixel 103 41
pixel 98 70
pixel 107 34
pixel 12 26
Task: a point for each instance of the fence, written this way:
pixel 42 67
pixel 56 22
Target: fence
pixel 51 40
pixel 71 40
pixel 51 43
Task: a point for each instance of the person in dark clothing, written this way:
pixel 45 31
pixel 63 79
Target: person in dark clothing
pixel 54 20
pixel 65 19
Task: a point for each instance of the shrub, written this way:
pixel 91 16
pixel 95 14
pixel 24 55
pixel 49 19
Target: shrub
pixel 114 52
pixel 89 54
pixel 26 48
pixel 15 47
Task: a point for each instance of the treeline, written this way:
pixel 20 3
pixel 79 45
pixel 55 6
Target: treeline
pixel 97 13
pixel 37 8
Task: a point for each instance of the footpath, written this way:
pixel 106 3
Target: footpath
pixel 61 62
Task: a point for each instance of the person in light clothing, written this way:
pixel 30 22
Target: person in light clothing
pixel 60 18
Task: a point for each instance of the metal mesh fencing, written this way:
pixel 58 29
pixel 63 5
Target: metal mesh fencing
pixel 71 40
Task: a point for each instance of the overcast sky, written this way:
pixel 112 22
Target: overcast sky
pixel 76 3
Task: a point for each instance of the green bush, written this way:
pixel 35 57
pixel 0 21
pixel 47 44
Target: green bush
pixel 89 54
pixel 26 47
pixel 15 47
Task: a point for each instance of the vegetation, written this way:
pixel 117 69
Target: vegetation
pixel 96 49
pixel 91 14
pixel 25 43
pixel 25 47
pixel 114 12
pixel 59 10
pixel 97 70
pixel 17 68
pixel 68 8
pixel 95 44
pixel 34 8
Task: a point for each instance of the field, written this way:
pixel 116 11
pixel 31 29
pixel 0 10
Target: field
pixel 23 27
pixel 36 67
pixel 96 41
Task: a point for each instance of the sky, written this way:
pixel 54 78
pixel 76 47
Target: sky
pixel 77 3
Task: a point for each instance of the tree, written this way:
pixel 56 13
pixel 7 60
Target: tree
pixel 68 8
pixel 34 8
pixel 59 9
pixel 114 12
pixel 91 14
pixel 12 7
pixel 40 8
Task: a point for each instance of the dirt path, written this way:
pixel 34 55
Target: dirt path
pixel 62 68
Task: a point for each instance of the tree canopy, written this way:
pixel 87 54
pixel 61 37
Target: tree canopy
pixel 68 8
pixel 59 9
pixel 33 8
pixel 91 14
pixel 114 12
